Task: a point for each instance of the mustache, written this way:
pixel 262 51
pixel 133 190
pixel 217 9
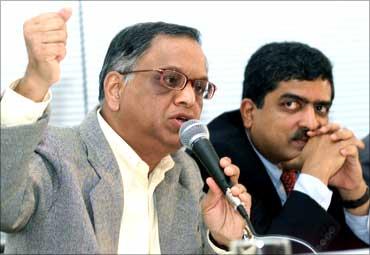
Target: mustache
pixel 300 134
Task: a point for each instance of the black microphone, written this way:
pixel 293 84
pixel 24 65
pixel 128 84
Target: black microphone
pixel 195 136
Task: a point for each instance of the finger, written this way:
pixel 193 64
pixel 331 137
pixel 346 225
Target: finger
pixel 225 161
pixel 43 17
pixel 349 151
pixel 360 144
pixel 232 171
pixel 45 23
pixel 53 24
pixel 65 13
pixel 353 141
pixel 238 189
pixel 341 134
pixel 246 199
pixel 243 195
pixel 56 36
pixel 329 128
pixel 62 55
pixel 50 51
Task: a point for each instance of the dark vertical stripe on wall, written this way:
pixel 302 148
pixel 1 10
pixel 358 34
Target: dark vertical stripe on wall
pixel 83 57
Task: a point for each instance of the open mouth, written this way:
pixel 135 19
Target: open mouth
pixel 182 119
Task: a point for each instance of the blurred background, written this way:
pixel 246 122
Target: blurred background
pixel 231 32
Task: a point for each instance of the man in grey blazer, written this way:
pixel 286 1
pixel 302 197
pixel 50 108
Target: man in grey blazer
pixel 118 183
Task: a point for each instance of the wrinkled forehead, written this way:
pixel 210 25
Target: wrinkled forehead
pixel 182 52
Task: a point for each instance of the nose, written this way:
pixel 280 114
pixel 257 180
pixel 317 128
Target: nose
pixel 186 96
pixel 310 119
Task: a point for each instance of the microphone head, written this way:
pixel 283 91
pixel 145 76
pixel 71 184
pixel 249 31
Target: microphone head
pixel 192 130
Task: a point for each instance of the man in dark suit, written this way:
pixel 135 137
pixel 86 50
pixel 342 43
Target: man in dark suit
pixel 283 121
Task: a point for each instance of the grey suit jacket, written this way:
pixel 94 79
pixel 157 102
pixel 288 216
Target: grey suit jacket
pixel 61 192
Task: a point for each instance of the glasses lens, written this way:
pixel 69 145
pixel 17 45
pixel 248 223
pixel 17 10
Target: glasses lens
pixel 173 79
pixel 204 88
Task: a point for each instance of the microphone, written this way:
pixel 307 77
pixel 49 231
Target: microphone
pixel 195 136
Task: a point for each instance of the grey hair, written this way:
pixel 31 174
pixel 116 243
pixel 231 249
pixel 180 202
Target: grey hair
pixel 132 42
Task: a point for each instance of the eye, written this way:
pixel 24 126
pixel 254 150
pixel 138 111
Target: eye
pixel 322 109
pixel 291 105
pixel 200 86
pixel 172 79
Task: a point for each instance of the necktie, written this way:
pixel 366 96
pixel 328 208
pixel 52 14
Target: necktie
pixel 288 179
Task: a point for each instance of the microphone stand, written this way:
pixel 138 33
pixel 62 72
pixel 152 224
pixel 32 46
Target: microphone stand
pixel 250 233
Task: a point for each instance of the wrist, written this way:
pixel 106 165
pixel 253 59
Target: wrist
pixel 317 172
pixel 359 205
pixel 32 89
pixel 217 244
pixel 354 193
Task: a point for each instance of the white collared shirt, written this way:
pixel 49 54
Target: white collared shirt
pixel 139 225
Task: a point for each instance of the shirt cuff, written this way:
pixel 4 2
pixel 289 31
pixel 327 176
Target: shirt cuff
pixel 19 110
pixel 214 247
pixel 315 189
pixel 359 225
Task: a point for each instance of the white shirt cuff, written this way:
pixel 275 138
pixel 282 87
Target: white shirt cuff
pixel 19 110
pixel 359 225
pixel 314 188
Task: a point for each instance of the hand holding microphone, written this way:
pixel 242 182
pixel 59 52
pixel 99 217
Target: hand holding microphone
pixel 224 222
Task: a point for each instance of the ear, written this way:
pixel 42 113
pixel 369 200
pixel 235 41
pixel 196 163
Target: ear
pixel 112 90
pixel 247 108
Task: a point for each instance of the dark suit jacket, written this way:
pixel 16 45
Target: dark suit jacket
pixel 301 216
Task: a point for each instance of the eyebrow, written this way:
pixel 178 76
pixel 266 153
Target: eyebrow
pixel 305 100
pixel 174 68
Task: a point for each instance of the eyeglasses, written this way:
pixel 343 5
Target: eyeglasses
pixel 176 80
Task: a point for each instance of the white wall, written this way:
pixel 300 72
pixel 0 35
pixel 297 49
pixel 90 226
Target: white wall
pixel 231 31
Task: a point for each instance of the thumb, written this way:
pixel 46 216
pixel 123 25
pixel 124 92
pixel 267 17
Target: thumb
pixel 65 13
pixel 214 190
pixel 350 151
pixel 213 195
pixel 295 163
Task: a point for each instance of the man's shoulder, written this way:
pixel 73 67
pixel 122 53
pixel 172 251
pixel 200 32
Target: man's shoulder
pixel 230 118
pixel 61 143
pixel 228 125
pixel 61 135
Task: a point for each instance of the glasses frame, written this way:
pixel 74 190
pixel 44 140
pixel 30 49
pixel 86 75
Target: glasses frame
pixel 187 79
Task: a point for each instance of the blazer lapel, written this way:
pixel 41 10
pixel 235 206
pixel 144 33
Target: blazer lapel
pixel 107 196
pixel 177 216
pixel 165 204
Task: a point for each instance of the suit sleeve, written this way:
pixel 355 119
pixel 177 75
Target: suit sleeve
pixel 305 219
pixel 25 178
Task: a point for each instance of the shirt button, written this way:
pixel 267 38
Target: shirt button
pixel 322 242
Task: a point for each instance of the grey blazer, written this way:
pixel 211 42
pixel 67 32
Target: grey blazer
pixel 61 192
